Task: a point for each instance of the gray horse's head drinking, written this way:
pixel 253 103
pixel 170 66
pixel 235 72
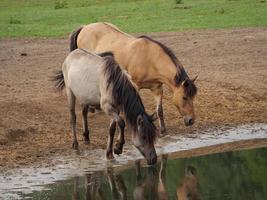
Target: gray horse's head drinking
pixel 143 137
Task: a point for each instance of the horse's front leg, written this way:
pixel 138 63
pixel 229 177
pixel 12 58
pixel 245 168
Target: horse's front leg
pixel 112 129
pixel 120 142
pixel 113 113
pixel 158 93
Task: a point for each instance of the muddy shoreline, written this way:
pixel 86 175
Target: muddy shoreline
pixel 34 120
pixel 36 177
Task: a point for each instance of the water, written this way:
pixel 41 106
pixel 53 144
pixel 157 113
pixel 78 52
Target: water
pixel 238 175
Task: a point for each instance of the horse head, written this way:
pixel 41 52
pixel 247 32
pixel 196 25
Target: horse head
pixel 144 136
pixel 183 98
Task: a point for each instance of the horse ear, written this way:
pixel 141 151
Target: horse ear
pixel 154 117
pixel 190 171
pixel 185 82
pixel 193 80
pixel 139 120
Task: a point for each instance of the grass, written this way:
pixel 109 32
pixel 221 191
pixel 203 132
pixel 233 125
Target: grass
pixel 50 18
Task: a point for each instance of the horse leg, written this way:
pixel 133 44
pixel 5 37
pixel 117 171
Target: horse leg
pixel 112 129
pixel 113 113
pixel 85 124
pixel 71 100
pixel 162 172
pixel 75 195
pixel 158 93
pixel 138 171
pixel 120 142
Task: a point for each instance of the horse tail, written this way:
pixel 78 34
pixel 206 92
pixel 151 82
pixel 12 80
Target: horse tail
pixel 59 79
pixel 73 38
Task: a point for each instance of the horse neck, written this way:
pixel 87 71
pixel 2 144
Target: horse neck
pixel 167 71
pixel 132 105
pixel 126 96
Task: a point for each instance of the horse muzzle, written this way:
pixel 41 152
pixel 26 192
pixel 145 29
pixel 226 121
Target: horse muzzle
pixel 189 121
pixel 152 161
pixel 151 157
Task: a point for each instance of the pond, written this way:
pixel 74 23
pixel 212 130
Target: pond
pixel 236 175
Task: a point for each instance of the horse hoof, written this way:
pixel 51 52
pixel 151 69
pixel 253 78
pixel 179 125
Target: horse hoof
pixel 117 151
pixel 91 109
pixel 86 142
pixel 86 139
pixel 162 135
pixel 75 145
pixel 110 156
pixel 162 131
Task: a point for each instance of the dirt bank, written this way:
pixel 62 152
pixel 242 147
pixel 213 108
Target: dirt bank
pixel 34 121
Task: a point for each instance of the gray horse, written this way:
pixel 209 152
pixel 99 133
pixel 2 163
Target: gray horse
pixel 97 80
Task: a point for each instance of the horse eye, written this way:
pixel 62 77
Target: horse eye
pixel 185 98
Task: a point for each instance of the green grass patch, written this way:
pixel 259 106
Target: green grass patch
pixel 38 18
pixel 60 4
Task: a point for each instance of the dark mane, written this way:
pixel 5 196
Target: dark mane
pixel 167 50
pixel 106 53
pixel 127 97
pixel 102 54
pixel 181 73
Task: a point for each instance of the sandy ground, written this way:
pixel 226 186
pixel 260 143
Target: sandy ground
pixel 34 120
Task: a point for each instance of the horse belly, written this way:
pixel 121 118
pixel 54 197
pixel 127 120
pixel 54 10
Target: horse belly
pixel 87 97
pixel 85 89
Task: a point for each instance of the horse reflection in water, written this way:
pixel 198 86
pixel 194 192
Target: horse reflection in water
pixel 116 184
pixel 92 184
pixel 149 189
pixel 187 190
pixel 93 188
pixel 151 185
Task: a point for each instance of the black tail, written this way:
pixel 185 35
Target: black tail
pixel 59 79
pixel 73 38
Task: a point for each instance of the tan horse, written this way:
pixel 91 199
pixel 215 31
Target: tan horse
pixel 150 64
pixel 187 190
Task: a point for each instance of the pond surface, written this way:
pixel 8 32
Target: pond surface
pixel 238 175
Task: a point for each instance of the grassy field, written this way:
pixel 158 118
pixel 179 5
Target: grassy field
pixel 39 18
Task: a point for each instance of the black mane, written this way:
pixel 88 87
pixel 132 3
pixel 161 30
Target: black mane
pixel 181 74
pixel 106 53
pixel 127 97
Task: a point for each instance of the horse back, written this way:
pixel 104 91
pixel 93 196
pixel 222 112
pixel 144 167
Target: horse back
pixel 82 74
pixel 144 60
pixel 101 36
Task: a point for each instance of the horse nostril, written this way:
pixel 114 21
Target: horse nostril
pixel 154 160
pixel 188 121
pixel 191 121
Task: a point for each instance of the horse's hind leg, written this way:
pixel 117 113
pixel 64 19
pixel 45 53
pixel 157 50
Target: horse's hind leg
pixel 71 100
pixel 120 142
pixel 85 124
pixel 158 92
